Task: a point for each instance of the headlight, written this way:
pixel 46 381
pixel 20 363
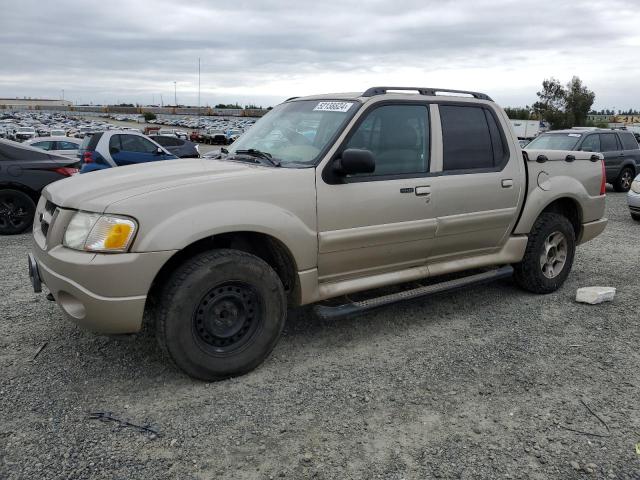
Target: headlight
pixel 635 186
pixel 93 232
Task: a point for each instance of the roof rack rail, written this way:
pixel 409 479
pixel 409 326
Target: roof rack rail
pixel 291 98
pixel 424 91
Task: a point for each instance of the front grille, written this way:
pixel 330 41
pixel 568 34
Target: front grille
pixel 46 217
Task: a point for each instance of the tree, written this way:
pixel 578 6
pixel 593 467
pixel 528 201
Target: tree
pixel 149 116
pixel 519 113
pixel 579 100
pixel 564 107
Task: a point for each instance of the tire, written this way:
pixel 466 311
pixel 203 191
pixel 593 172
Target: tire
pixel 531 273
pixel 623 182
pixel 636 217
pixel 17 210
pixel 221 313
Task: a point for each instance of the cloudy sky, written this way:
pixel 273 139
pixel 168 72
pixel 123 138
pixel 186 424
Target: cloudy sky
pixel 265 51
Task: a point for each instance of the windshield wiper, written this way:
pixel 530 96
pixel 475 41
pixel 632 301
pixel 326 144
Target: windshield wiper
pixel 260 154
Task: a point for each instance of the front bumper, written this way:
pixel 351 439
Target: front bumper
pixel 633 199
pixel 104 293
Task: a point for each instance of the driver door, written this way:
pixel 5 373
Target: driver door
pixel 384 221
pixel 132 149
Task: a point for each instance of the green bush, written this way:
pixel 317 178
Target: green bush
pixel 149 116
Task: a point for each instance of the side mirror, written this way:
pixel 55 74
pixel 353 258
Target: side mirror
pixel 353 161
pixel 159 151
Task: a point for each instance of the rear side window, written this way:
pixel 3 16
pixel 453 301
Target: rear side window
pixel 43 145
pixel 591 144
pixel 628 141
pixel 609 142
pixel 62 145
pixel 471 138
pixel 90 142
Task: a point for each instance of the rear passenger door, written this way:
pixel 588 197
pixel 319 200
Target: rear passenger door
pixel 630 149
pixel 478 191
pixel 613 154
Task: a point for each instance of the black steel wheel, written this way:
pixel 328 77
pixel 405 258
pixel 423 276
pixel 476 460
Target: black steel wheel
pixel 227 316
pixel 16 212
pixel 220 314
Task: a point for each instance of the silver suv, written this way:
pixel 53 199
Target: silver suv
pixel 325 196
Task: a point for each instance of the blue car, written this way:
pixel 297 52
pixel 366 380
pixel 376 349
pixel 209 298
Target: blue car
pixel 117 148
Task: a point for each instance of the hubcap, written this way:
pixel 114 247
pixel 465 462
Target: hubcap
pixel 554 255
pixel 625 180
pixel 227 316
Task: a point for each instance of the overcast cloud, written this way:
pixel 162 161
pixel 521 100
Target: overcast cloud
pixel 266 51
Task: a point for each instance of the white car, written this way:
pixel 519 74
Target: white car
pixel 633 198
pixel 25 133
pixel 56 145
pixel 56 132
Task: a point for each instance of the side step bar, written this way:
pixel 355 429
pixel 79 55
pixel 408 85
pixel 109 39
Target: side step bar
pixel 329 312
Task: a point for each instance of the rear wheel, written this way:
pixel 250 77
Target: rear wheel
pixel 549 255
pixel 623 182
pixel 221 314
pixel 636 216
pixel 16 212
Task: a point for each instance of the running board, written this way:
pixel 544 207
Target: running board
pixel 329 312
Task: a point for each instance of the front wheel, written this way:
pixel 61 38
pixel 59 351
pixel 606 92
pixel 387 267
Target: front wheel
pixel 549 255
pixel 623 182
pixel 16 212
pixel 221 314
pixel 636 216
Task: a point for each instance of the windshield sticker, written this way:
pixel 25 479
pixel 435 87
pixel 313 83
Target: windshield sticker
pixel 333 107
pixel 575 134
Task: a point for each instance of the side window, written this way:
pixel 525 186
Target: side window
pixel 135 143
pixel 398 137
pixel 608 142
pixel 114 143
pixel 164 141
pixel 591 144
pixel 628 141
pixel 42 145
pixel 67 146
pixel 471 138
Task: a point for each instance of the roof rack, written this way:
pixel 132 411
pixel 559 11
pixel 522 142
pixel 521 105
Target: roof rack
pixel 424 91
pixel 290 98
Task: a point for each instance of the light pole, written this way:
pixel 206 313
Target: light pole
pixel 198 92
pixel 175 94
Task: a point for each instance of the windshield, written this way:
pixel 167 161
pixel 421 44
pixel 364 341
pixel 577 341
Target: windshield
pixel 296 132
pixel 555 141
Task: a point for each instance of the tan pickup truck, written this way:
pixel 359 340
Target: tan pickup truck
pixel 325 196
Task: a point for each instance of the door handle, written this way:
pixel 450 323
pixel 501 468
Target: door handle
pixel 507 183
pixel 421 191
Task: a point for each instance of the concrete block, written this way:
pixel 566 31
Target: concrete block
pixel 595 295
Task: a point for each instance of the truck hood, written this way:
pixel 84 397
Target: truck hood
pixel 95 191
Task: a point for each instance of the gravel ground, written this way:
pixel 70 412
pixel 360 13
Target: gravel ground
pixel 481 383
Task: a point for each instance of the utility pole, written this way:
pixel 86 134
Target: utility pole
pixel 161 101
pixel 198 92
pixel 175 94
pixel 63 94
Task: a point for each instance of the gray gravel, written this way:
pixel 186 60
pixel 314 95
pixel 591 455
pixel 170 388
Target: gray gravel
pixel 481 383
